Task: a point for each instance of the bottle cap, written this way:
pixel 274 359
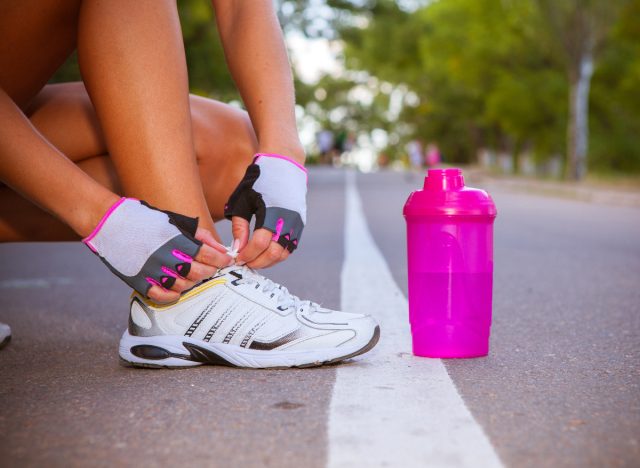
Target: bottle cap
pixel 444 194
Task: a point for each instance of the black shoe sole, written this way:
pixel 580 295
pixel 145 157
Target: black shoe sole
pixel 5 342
pixel 208 358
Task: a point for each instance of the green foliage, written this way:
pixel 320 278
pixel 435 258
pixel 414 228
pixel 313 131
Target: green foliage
pixel 478 68
pixel 70 71
pixel 470 73
pixel 615 99
pixel 208 72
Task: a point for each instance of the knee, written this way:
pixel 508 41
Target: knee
pixel 222 133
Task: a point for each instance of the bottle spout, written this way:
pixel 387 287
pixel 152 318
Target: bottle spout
pixel 444 179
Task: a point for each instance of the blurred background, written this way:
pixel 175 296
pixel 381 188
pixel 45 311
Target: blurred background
pixel 540 88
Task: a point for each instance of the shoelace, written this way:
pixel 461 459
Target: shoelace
pixel 283 297
pixel 232 250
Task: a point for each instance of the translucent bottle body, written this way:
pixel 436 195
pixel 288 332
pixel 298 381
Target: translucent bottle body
pixel 450 262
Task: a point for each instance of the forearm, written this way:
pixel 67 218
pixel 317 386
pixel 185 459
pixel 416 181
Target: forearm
pixel 257 57
pixel 36 169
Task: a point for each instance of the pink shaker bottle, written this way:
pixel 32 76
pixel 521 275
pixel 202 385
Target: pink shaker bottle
pixel 450 253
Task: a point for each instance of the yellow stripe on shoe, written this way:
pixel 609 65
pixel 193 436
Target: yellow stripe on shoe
pixel 185 297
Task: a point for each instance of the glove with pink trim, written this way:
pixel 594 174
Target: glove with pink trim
pixel 143 245
pixel 274 189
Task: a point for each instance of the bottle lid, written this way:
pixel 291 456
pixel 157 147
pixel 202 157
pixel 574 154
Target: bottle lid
pixel 444 194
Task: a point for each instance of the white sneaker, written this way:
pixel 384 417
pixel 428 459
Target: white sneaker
pixel 242 319
pixel 5 335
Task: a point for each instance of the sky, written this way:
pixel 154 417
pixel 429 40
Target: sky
pixel 311 59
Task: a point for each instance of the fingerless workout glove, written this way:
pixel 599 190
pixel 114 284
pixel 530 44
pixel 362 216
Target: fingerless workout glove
pixel 143 245
pixel 274 189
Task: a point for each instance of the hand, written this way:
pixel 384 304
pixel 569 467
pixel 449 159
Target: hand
pixel 259 252
pixel 273 189
pixel 157 253
pixel 211 257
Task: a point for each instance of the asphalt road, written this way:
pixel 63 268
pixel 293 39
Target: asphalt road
pixel 560 387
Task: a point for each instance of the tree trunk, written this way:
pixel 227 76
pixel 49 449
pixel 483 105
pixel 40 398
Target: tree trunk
pixel 578 127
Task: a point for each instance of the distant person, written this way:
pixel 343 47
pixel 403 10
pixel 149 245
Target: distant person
pixel 325 140
pixel 383 160
pixel 131 128
pixel 414 151
pixel 432 156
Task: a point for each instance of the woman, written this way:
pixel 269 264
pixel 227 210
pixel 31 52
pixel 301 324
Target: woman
pixel 131 128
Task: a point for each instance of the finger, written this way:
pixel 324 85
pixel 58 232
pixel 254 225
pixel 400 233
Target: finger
pixel 285 254
pixel 240 230
pixel 200 271
pixel 161 295
pixel 269 257
pixel 258 243
pixel 206 237
pixel 212 257
pixel 182 284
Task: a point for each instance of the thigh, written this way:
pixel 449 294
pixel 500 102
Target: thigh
pixel 22 221
pixel 36 37
pixel 64 115
pixel 225 143
pixel 223 137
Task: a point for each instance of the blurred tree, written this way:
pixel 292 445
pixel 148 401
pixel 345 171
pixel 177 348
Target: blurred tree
pixel 615 100
pixel 69 71
pixel 208 72
pixel 477 68
pixel 467 74
pixel 579 27
pixel 496 73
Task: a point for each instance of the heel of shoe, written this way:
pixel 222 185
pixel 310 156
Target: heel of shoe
pixel 155 352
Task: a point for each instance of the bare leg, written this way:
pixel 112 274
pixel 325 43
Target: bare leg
pixel 36 37
pixel 141 95
pixel 30 163
pixel 136 76
pixel 21 220
pixel 224 142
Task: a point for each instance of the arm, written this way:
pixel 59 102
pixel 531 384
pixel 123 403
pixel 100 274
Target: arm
pixel 257 57
pixel 33 167
pixel 30 165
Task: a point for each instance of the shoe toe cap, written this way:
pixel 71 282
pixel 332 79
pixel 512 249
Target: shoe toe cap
pixel 360 323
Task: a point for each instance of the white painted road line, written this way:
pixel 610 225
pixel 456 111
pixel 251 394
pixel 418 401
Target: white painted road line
pixel 390 408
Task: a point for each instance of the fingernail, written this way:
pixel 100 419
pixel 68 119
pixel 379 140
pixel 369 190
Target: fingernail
pixel 236 244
